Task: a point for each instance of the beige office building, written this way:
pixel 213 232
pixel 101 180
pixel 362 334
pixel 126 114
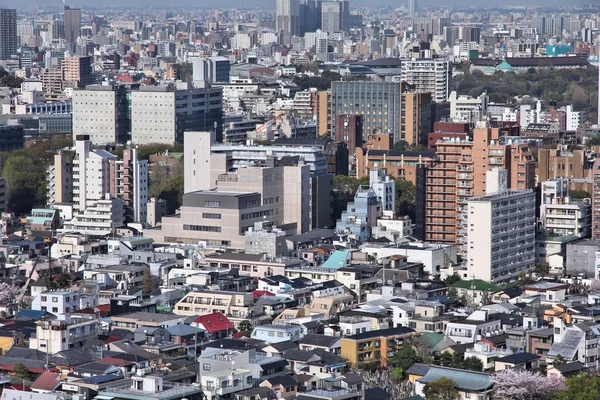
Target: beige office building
pixel 222 216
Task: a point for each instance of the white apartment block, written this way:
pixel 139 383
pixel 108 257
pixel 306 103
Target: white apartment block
pixel 500 235
pixel 60 335
pixel 559 216
pixel 385 189
pixel 95 174
pixel 161 114
pixel 467 109
pixel 430 76
pixel 574 119
pixel 100 218
pixel 63 301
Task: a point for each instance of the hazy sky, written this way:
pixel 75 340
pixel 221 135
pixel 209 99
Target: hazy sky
pixel 265 3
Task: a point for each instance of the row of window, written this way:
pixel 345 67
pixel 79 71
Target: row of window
pixel 202 228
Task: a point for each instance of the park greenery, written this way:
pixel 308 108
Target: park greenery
pixel 564 86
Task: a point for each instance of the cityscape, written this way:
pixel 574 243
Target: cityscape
pixel 299 200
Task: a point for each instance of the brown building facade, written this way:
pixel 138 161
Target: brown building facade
pixel 460 173
pixel 349 130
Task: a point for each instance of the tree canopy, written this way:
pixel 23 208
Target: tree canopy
pixel 441 389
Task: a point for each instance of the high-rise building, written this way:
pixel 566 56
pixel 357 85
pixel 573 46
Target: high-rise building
pixel 388 107
pixel 108 107
pixel 428 75
pixel 72 26
pixel 500 235
pixel 77 72
pixel 459 173
pixel 59 177
pixel 412 8
pixel 149 115
pixel 211 69
pixel 288 17
pixel 8 33
pixel 331 16
pixel 161 114
pixel 236 199
pixel 596 200
pixel 96 174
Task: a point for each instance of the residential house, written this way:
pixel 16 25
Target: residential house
pixel 469 384
pixel 284 386
pixel 237 306
pixel 276 333
pixel 517 361
pixel 375 347
pixel 540 342
pixel 313 341
pixel 476 290
pixel 430 316
pixel 473 328
pixel 216 325
pixel 135 320
pixel 566 370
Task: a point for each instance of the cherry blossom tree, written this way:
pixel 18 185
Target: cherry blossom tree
pixel 9 293
pixel 517 384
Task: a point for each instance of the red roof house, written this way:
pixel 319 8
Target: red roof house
pixel 216 324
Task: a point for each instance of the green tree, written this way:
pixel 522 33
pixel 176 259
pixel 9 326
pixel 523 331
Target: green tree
pixel 581 387
pixel 472 364
pixel 245 327
pixel 20 371
pixel 405 358
pixel 64 281
pixel 558 360
pixel 441 389
pixel 579 194
pixel 541 268
pixel 452 279
pixel 406 193
pixel 173 194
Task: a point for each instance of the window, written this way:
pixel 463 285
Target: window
pixel 211 215
pixel 55 299
pixel 201 228
pixel 44 298
pixel 213 204
pixel 54 309
pixel 206 367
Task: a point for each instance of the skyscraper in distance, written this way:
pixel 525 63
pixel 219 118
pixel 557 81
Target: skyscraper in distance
pixel 8 33
pixel 412 8
pixel 72 26
pixel 288 16
pixel 331 16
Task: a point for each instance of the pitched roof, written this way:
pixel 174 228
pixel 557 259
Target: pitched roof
pixel 571 368
pixel 215 322
pixel 464 380
pixel 313 339
pixel 47 381
pixel 282 346
pixel 518 358
pixel 377 393
pixel 418 369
